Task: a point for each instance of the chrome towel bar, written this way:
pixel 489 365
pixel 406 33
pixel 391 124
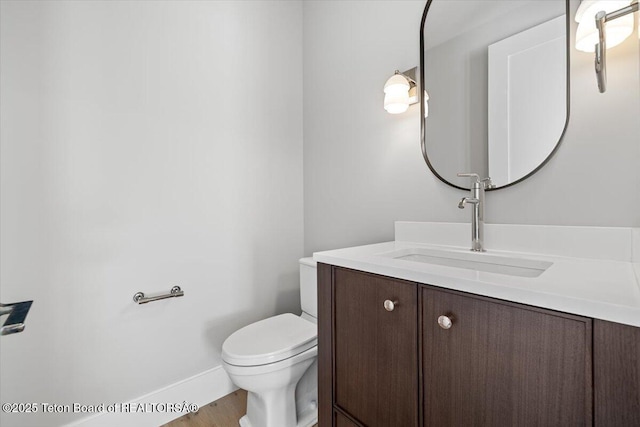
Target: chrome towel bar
pixel 174 293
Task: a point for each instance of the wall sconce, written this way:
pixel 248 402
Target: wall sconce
pixel 603 24
pixel 400 91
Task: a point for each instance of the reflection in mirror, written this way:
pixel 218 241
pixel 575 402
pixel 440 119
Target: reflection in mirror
pixel 497 77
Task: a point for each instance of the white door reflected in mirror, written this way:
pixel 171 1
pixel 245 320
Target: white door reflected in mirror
pixel 526 67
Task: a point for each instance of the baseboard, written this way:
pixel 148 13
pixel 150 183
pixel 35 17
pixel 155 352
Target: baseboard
pixel 199 389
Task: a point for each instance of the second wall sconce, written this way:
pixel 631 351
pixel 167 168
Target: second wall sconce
pixel 400 91
pixel 603 24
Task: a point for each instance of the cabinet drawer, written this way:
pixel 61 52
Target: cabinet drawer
pixel 340 420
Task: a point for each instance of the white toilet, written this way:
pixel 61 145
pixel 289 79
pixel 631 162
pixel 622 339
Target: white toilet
pixel 275 361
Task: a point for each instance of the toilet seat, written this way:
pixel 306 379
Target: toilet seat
pixel 270 367
pixel 269 341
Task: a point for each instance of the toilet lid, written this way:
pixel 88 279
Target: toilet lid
pixel 270 340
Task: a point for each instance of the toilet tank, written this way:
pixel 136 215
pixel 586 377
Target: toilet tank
pixel 309 287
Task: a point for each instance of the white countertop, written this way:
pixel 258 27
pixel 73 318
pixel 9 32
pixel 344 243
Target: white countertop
pixel 607 289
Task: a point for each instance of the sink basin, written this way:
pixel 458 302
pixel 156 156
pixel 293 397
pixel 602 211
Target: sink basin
pixel 521 267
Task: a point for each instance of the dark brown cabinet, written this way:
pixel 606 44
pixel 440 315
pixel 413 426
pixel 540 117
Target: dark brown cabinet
pixel 341 420
pixel 498 364
pixel 375 350
pixel 502 364
pixel 616 360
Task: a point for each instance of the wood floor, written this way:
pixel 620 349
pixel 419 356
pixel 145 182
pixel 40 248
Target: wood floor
pixel 224 412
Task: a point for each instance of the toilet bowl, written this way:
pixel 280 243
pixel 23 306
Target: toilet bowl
pixel 275 361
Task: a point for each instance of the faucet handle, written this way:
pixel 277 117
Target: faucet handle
pixel 486 182
pixel 470 175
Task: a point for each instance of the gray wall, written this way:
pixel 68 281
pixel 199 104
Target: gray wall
pixel 363 168
pixel 143 145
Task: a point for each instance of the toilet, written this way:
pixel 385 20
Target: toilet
pixel 275 361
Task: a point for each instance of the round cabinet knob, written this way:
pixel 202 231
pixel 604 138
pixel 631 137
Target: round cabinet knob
pixel 390 305
pixel 445 322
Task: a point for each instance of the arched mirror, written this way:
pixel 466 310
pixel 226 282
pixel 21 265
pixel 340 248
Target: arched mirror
pixel 495 76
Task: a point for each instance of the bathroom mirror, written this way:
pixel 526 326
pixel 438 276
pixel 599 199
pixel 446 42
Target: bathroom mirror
pixel 496 82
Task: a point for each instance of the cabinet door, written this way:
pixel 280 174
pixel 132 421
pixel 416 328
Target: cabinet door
pixel 503 364
pixel 375 350
pixel 616 359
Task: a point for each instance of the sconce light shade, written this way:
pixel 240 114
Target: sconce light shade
pixel 396 94
pixel 616 31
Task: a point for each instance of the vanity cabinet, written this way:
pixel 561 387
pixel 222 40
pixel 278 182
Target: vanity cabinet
pixel 502 364
pixel 341 420
pixel 498 364
pixel 616 360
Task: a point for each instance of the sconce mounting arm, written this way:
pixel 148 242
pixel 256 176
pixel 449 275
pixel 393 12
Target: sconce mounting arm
pixel 601 56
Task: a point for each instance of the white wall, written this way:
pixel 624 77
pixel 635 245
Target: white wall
pixel 144 144
pixel 363 168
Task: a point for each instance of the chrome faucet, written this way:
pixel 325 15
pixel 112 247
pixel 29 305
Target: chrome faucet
pixel 477 200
